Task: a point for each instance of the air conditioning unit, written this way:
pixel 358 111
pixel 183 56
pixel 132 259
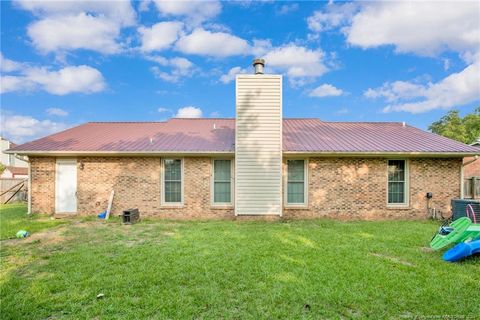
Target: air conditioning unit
pixel 459 208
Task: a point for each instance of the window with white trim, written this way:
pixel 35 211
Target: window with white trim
pixel 222 181
pixel 296 182
pixel 172 181
pixel 397 182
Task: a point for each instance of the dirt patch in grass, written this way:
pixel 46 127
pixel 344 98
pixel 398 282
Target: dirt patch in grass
pixel 45 238
pixel 393 259
pixel 426 249
pixel 49 237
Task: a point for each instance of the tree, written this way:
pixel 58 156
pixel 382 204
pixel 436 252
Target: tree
pixel 451 125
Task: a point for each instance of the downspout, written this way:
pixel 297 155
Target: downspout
pixel 462 191
pixel 29 191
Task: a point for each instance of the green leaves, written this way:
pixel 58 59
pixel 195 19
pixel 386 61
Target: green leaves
pixel 466 129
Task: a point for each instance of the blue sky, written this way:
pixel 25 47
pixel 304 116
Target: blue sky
pixel 64 63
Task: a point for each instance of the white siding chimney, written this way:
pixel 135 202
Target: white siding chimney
pixel 258 143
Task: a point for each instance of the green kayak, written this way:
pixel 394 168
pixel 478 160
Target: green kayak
pixel 463 230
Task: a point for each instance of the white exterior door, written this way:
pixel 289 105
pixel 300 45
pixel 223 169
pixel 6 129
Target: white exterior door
pixel 66 186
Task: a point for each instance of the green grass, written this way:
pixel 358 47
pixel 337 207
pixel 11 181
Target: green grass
pixel 13 217
pixel 234 270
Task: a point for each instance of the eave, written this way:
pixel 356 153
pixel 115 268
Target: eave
pixel 370 154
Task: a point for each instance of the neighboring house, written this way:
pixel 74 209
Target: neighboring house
pixel 472 168
pixel 10 159
pixel 14 167
pixel 14 172
pixel 256 164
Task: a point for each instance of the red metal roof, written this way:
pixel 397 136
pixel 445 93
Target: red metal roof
pixel 218 135
pixel 17 171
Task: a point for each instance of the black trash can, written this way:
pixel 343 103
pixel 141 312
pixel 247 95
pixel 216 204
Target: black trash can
pixel 130 216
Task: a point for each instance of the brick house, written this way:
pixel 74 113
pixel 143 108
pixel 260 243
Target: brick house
pixel 255 164
pixel 472 166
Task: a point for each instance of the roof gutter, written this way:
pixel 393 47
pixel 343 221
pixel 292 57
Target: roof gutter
pixel 382 154
pixel 210 153
pixel 118 153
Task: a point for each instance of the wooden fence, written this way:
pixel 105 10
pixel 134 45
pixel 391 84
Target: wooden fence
pixel 471 188
pixel 8 183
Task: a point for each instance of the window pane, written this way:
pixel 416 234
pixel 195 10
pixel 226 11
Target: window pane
pixel 222 183
pixel 173 169
pixel 173 180
pixel 396 170
pixel 222 192
pixel 222 170
pixel 295 170
pixel 396 181
pixel 296 181
pixel 396 192
pixel 173 191
pixel 295 192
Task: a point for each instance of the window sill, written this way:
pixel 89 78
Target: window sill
pixel 296 207
pixel 398 207
pixel 172 206
pixel 221 206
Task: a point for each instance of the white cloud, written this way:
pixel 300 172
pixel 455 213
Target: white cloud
pixel 397 90
pixel 144 5
pixel 301 64
pixel 455 90
pixel 326 90
pixel 178 68
pixel 71 25
pixel 160 36
pixel 71 79
pixel 419 27
pixel 21 128
pixel 230 76
pixel 446 64
pixel 342 111
pixel 195 12
pixel 189 112
pixel 120 11
pixel 261 47
pixel 251 3
pixel 7 65
pixel 57 112
pixel 162 110
pixel 333 16
pixel 14 83
pixel 287 8
pixel 214 44
pixel 82 79
pixel 75 32
pixel 423 28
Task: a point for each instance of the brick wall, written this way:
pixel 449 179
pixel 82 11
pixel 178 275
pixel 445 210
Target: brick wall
pixel 43 184
pixel 472 169
pixel 356 188
pixel 136 181
pixel 338 187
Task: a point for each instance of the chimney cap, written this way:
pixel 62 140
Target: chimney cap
pixel 258 64
pixel 258 61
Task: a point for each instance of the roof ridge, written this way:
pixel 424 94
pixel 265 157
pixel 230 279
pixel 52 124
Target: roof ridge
pixel 126 122
pixel 220 118
pixel 396 122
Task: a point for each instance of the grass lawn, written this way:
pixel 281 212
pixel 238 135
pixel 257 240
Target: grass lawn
pixel 231 270
pixel 14 218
